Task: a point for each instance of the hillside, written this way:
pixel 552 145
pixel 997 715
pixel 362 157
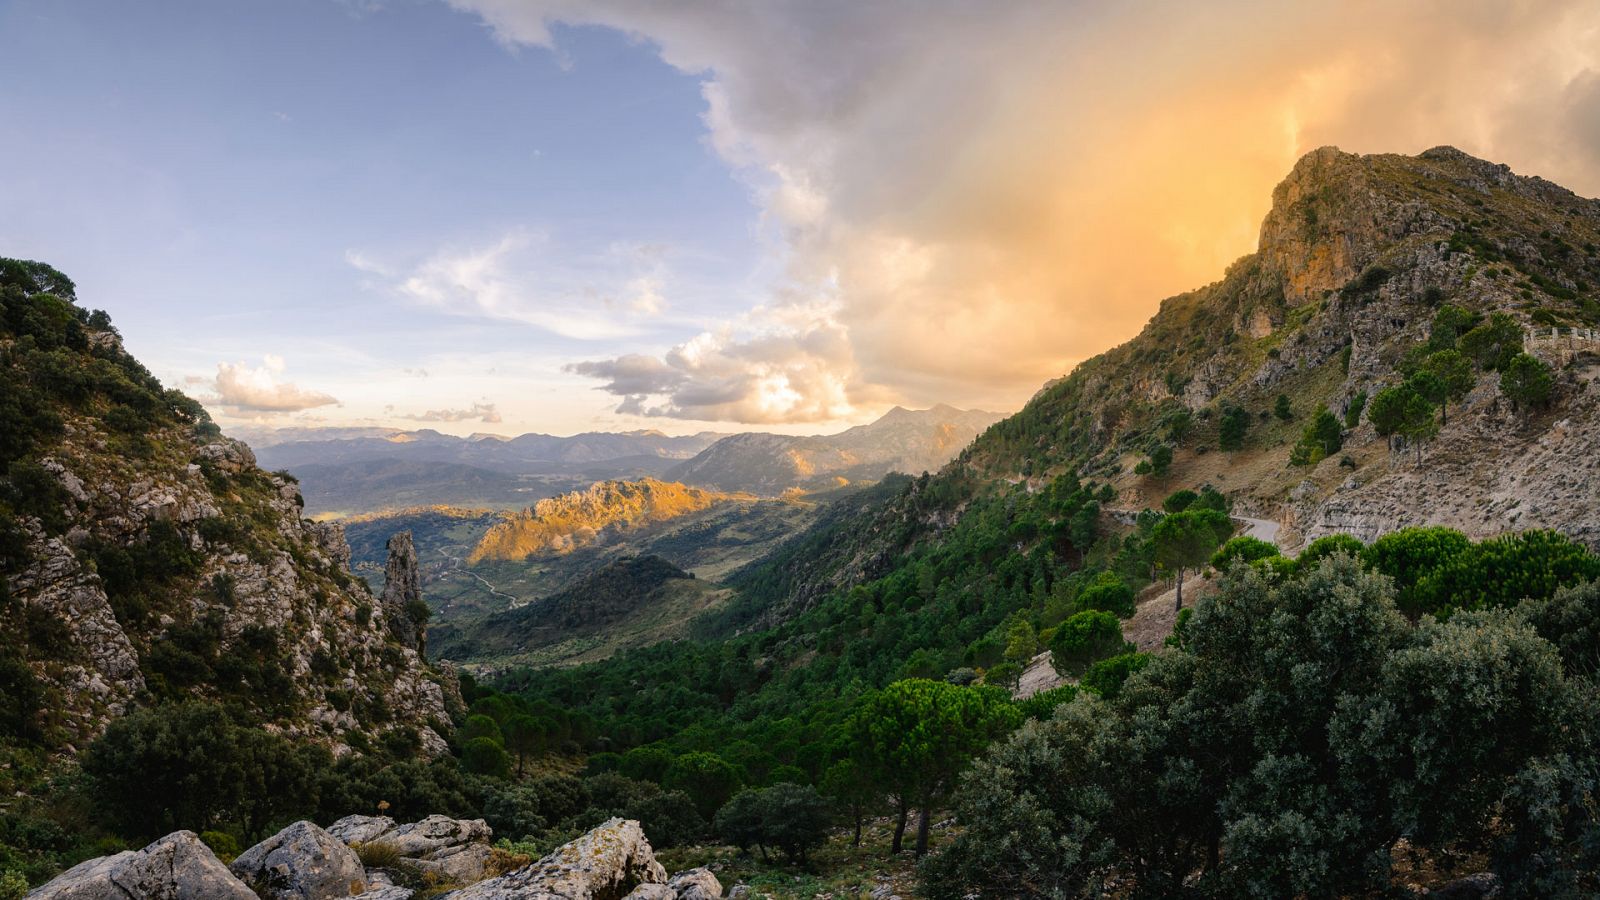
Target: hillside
pixel 631 602
pixel 565 523
pixel 147 559
pixel 1357 259
pixel 902 440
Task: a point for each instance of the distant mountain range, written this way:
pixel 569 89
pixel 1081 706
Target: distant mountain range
pixel 360 470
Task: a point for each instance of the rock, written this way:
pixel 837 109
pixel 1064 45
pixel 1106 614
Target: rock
pixel 462 865
pixel 360 829
pixel 177 867
pixel 301 862
pixel 402 586
pixel 386 892
pixel 608 862
pixel 739 892
pixel 651 892
pixel 1480 886
pixel 422 840
pixel 696 884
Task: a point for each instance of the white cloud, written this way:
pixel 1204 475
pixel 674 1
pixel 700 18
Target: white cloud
pixel 990 192
pixel 245 388
pixel 482 412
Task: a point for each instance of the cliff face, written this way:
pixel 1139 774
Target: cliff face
pixel 144 557
pixel 1356 259
pixel 565 523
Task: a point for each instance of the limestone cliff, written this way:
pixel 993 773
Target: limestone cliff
pixel 145 557
pixel 1356 259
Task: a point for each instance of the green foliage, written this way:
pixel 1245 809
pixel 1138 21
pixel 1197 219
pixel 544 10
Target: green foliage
pixel 707 778
pixel 1187 539
pixel 1493 344
pixel 223 844
pixel 1231 429
pixel 1106 676
pixel 1503 571
pixel 1352 413
pixel 1410 555
pixel 1110 593
pixel 1084 639
pixel 193 766
pixel 485 756
pixel 1243 548
pixel 1282 409
pixel 1004 674
pixel 1326 546
pixel 479 726
pixel 1178 501
pixel 646 763
pixel 1042 705
pixel 1526 381
pixel 789 818
pixel 1321 439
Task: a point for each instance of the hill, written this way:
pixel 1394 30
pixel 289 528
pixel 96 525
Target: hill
pixel 146 559
pixel 902 440
pixel 630 602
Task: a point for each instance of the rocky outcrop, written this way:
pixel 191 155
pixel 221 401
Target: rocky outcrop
pixel 402 590
pixel 696 884
pixel 177 867
pixel 301 862
pixel 608 863
pixel 453 850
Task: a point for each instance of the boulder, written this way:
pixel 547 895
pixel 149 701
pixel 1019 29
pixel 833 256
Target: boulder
pixel 651 892
pixel 608 863
pixel 360 829
pixel 696 884
pixel 301 862
pixel 425 838
pixel 463 864
pixel 386 892
pixel 177 867
pixel 1479 886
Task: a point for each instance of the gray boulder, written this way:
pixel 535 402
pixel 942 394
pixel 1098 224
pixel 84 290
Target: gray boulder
pixel 177 867
pixel 360 829
pixel 302 862
pixel 609 862
pixel 386 892
pixel 425 838
pixel 462 865
pixel 696 884
pixel 651 892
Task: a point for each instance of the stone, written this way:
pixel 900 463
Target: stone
pixel 1479 886
pixel 402 586
pixel 696 884
pixel 462 864
pixel 301 862
pixel 651 892
pixel 607 863
pixel 386 892
pixel 423 839
pixel 177 867
pixel 360 829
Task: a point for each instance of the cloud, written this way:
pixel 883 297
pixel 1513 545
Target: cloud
pixel 988 193
pixel 256 389
pixel 483 412
pixel 516 279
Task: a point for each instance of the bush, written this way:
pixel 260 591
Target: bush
pixel 1178 501
pixel 1326 546
pixel 1108 593
pixel 706 777
pixel 1243 548
pixel 223 844
pixel 1086 637
pixel 1004 674
pixel 1107 676
pixel 646 763
pixel 785 817
pixel 485 756
pixel 377 854
pixel 1043 704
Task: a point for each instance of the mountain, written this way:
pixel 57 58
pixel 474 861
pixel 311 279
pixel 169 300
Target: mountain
pixel 630 602
pixel 145 558
pixel 523 454
pixel 1362 261
pixel 902 440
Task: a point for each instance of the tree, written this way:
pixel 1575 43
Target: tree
pixel 1084 639
pixel 1282 409
pixel 1493 344
pixel 1449 323
pixel 485 756
pixel 1235 421
pixel 706 777
pixel 1004 675
pixel 1387 410
pixel 1526 382
pixel 1411 554
pixel 1108 592
pixel 1243 548
pixel 1161 460
pixel 1022 642
pixel 1178 501
pixel 526 736
pixel 646 763
pixel 1322 438
pixel 480 726
pixel 1450 377
pixel 917 735
pixel 852 790
pixel 1187 539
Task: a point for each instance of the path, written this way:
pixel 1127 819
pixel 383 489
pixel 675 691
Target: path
pixel 458 566
pixel 1154 615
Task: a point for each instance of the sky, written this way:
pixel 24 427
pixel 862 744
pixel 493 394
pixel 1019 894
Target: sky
pixel 788 215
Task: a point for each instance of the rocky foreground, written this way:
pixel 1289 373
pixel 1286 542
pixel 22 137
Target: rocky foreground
pixel 307 862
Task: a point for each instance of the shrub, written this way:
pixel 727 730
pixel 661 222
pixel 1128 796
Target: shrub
pixel 1107 676
pixel 706 777
pixel 1326 546
pixel 1178 501
pixel 1086 637
pixel 1043 704
pixel 785 817
pixel 485 756
pixel 1108 593
pixel 377 854
pixel 1243 548
pixel 1005 674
